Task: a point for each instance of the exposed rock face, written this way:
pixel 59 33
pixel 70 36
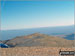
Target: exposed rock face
pixel 38 39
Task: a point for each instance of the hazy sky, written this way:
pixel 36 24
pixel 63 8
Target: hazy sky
pixel 32 14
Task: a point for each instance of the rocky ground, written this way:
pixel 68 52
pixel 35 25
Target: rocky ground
pixel 33 51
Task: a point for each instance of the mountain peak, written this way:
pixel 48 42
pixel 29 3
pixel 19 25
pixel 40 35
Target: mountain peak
pixel 36 33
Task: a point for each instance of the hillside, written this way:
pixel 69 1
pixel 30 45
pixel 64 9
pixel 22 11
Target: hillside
pixel 38 39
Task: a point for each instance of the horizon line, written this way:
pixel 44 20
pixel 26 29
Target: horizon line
pixel 34 27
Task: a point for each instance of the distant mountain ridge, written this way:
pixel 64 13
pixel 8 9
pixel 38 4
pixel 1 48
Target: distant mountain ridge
pixel 38 39
pixel 61 30
pixel 69 37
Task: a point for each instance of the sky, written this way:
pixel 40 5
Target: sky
pixel 33 14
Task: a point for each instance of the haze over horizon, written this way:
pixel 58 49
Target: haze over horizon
pixel 34 14
pixel 38 27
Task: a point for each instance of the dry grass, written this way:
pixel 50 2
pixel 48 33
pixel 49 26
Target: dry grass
pixel 32 51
